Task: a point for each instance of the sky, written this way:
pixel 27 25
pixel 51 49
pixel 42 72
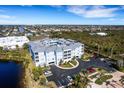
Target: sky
pixel 58 14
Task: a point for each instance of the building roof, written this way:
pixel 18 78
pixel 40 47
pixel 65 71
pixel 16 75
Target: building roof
pixel 50 45
pixel 13 40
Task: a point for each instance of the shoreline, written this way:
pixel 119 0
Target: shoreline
pixel 21 74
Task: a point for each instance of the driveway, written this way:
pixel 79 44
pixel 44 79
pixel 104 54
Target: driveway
pixel 60 75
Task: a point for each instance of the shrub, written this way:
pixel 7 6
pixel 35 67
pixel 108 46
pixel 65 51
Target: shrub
pixel 37 72
pixel 103 79
pixel 42 81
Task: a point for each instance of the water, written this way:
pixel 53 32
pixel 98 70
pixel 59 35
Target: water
pixel 10 73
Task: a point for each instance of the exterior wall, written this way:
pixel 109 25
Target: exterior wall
pixel 45 58
pixel 59 57
pixel 78 51
pixel 67 55
pixel 50 57
pixel 42 58
pixel 82 50
pixel 11 42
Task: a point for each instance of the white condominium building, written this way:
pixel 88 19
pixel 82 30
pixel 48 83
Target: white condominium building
pixel 11 42
pixel 53 51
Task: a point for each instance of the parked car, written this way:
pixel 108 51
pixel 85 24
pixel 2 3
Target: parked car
pixel 102 59
pixel 69 78
pixel 48 73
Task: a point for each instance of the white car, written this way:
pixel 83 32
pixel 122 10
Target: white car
pixel 69 78
pixel 48 73
pixel 102 59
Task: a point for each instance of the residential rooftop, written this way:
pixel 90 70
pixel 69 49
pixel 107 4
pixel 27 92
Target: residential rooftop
pixel 48 45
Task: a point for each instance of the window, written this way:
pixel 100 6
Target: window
pixel 36 57
pixel 52 63
pixel 65 55
pixel 65 51
pixel 37 60
pixel 36 53
pixel 65 58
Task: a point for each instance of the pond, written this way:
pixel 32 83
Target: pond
pixel 10 74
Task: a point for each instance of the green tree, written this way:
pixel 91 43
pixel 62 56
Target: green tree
pixel 17 47
pixel 122 80
pixel 25 46
pixel 81 81
pixel 37 71
pixel 1 49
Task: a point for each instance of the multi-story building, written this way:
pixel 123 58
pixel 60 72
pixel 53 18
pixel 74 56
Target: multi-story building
pixel 53 51
pixel 11 42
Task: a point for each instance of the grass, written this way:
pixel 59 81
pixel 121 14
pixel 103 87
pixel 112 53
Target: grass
pixel 23 56
pixel 94 76
pixel 14 55
pixel 86 57
pixel 51 84
pixel 102 79
pixel 73 62
pixel 66 65
pixel 121 69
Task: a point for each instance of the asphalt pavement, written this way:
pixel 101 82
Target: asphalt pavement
pixel 60 75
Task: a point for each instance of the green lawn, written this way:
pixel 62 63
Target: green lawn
pixel 86 57
pixel 103 79
pixel 94 76
pixel 66 65
pixel 121 69
pixel 73 62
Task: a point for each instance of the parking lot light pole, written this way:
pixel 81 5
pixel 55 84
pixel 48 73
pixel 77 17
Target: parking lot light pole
pixel 112 51
pixel 98 48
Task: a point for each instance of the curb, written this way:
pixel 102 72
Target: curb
pixel 71 67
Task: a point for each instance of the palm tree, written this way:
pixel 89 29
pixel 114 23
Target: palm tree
pixel 85 79
pixel 25 46
pixel 81 80
pixel 17 47
pixel 77 81
pixel 122 80
pixel 107 83
pixel 1 48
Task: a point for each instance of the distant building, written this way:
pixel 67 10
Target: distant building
pixel 21 29
pixel 53 51
pixel 11 42
pixel 101 33
pixel 29 34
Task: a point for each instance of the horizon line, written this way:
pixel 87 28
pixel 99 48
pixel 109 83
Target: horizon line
pixel 65 24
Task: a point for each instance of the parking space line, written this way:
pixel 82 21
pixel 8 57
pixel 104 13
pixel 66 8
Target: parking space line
pixel 59 83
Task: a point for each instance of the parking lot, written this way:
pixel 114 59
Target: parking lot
pixel 60 75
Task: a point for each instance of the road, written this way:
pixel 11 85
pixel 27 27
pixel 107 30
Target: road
pixel 60 75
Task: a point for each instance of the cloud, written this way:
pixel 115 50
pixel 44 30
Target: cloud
pixel 112 19
pixel 56 6
pixel 6 16
pixel 122 19
pixel 122 6
pixel 92 11
pixel 26 5
pixel 8 21
pixel 116 19
pixel 2 10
